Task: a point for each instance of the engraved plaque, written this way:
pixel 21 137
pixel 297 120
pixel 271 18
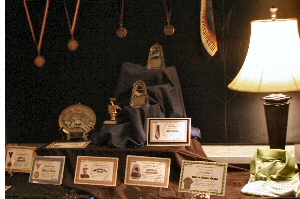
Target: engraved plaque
pixel 139 95
pixel 77 121
pixel 156 58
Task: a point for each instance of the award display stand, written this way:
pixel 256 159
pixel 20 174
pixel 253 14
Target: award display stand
pixel 165 101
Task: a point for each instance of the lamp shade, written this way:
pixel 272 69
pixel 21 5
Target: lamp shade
pixel 272 63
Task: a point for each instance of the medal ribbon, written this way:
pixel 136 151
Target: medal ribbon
pixel 122 13
pixel 168 9
pixel 38 45
pixel 72 27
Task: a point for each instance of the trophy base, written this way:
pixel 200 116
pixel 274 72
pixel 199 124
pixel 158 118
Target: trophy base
pixel 110 122
pixel 80 135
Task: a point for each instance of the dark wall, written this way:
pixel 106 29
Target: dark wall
pixel 35 97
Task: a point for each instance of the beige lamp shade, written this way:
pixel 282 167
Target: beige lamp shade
pixel 272 63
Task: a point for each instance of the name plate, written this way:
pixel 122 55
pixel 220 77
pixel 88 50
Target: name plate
pixel 19 158
pixel 47 170
pixel 168 131
pixel 68 144
pixel 96 170
pixel 147 171
pixel 203 177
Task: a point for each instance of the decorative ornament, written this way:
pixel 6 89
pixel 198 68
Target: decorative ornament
pixel 122 32
pixel 169 29
pixel 73 44
pixel 39 60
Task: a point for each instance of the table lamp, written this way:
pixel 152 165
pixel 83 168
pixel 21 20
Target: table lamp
pixel 272 65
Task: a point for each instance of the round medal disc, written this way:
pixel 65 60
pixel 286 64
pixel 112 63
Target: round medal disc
pixel 122 32
pixel 39 61
pixel 73 45
pixel 36 174
pixel 169 30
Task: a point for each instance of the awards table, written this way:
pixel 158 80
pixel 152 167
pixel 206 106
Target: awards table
pixel 21 188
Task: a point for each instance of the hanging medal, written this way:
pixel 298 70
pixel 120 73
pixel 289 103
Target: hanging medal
pixel 121 32
pixel 73 44
pixel 39 60
pixel 169 29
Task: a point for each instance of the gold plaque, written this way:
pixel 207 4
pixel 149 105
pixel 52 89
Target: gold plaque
pixel 156 58
pixel 139 95
pixel 39 61
pixel 77 121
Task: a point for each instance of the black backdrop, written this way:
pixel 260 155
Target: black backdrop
pixel 34 97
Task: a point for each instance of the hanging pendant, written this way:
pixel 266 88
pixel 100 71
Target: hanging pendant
pixel 121 32
pixel 169 29
pixel 39 61
pixel 73 45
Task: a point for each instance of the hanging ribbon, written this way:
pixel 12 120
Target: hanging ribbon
pixel 121 32
pixel 168 10
pixel 39 61
pixel 207 27
pixel 169 29
pixel 73 44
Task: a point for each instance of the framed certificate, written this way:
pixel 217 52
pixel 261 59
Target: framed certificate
pixel 96 170
pixel 147 171
pixel 203 177
pixel 68 144
pixel 19 158
pixel 168 131
pixel 47 170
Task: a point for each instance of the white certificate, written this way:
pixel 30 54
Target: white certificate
pixel 47 170
pixel 96 170
pixel 203 177
pixel 147 171
pixel 68 144
pixel 19 158
pixel 168 131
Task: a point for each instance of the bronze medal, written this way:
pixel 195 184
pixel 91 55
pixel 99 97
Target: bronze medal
pixel 39 61
pixel 73 45
pixel 121 32
pixel 169 30
pixel 36 174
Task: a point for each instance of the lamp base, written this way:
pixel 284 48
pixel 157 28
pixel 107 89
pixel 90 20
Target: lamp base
pixel 276 111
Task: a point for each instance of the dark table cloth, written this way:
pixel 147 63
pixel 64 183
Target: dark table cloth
pixel 165 98
pixel 236 177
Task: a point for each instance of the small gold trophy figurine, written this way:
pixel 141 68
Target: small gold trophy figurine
pixel 113 111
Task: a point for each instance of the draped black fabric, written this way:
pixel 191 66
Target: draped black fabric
pixel 165 98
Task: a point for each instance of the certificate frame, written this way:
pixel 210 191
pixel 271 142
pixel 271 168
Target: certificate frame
pixel 96 170
pixel 19 158
pixel 47 170
pixel 75 145
pixel 138 168
pixel 203 177
pixel 168 131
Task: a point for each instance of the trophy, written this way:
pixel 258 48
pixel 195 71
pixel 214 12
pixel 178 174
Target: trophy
pixel 139 95
pixel 113 111
pixel 77 121
pixel 156 58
